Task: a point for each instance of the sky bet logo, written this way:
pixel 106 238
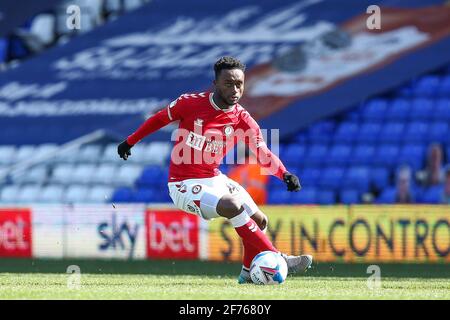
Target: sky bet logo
pixel 118 235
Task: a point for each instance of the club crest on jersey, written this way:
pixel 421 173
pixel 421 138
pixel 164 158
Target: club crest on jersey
pixel 196 189
pixel 228 130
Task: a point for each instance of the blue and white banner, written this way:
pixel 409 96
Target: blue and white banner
pixel 306 60
pixel 14 13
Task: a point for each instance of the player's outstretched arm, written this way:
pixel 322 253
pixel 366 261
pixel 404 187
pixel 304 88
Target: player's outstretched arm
pixel 162 118
pixel 152 124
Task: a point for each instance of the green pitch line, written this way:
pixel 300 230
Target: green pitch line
pixel 177 267
pixel 166 280
pixel 169 287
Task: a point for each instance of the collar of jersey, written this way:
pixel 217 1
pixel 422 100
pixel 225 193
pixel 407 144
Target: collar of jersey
pixel 215 106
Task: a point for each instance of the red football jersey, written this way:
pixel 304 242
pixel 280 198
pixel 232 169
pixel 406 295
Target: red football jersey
pixel 204 136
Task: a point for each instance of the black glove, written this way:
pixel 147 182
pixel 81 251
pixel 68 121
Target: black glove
pixel 292 181
pixel 124 150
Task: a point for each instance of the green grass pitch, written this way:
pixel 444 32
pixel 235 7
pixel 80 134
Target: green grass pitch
pixel 166 280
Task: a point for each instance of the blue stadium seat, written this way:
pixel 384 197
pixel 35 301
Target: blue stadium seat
pixel 143 195
pixel 421 109
pixel 326 126
pixel 151 176
pixel 388 196
pixel 278 196
pixel 392 132
pixel 386 156
pixel 331 178
pixel 413 155
pixel 362 155
pixel 444 88
pixel 349 196
pixel 442 110
pixel 325 197
pixel 3 49
pixel 398 110
pixel 305 196
pixel 433 195
pixel 368 133
pixel 353 115
pixel 379 178
pixel 310 176
pixel 357 178
pixel 427 86
pixel 415 132
pixel 301 137
pixel 163 195
pixel 405 91
pixel 274 182
pixel 293 154
pixel 374 110
pixel 315 155
pixel 346 132
pixel 439 132
pixel 321 132
pixel 319 138
pixel 339 154
pixel 123 195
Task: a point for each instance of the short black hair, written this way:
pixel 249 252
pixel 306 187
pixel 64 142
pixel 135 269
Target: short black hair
pixel 227 63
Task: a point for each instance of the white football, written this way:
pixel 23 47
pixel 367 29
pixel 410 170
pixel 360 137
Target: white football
pixel 268 267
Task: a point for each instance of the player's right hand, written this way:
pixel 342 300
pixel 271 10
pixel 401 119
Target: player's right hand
pixel 124 150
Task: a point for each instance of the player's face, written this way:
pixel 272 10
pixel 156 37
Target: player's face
pixel 230 86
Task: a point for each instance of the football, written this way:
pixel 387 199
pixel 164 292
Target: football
pixel 268 268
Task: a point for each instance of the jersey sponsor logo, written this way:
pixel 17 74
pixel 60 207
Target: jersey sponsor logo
pixel 214 146
pixel 195 141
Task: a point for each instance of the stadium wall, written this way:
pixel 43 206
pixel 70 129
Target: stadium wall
pixel 360 233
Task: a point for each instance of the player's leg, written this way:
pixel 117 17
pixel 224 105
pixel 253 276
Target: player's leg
pixel 230 207
pixel 253 239
pixel 295 263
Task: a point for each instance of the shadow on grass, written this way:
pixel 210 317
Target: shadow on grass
pixel 178 267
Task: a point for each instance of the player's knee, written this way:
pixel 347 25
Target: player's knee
pixel 264 222
pixel 229 206
pixel 261 220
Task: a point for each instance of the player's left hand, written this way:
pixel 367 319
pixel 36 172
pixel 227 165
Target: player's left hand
pixel 123 150
pixel 292 182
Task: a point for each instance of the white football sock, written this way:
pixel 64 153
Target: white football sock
pixel 240 220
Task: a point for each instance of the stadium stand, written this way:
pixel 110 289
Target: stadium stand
pixel 49 28
pixel 339 160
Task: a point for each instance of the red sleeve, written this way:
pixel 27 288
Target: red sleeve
pixel 157 121
pixel 266 158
